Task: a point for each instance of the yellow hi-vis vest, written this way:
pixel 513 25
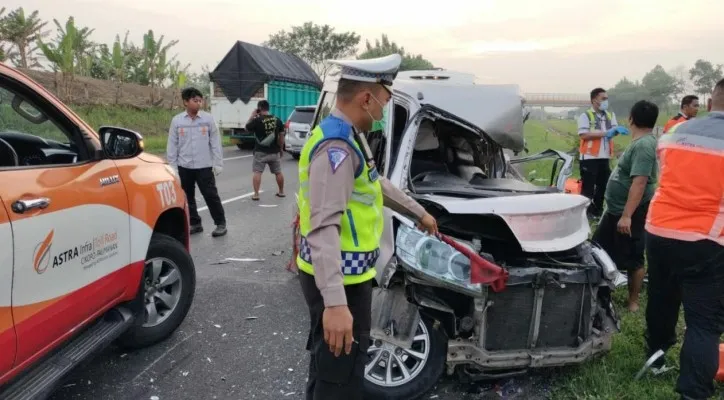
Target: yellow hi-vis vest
pixel 362 222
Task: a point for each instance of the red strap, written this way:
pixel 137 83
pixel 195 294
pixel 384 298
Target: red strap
pixel 481 270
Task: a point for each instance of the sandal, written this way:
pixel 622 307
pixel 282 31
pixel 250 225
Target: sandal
pixel 255 198
pixel 281 195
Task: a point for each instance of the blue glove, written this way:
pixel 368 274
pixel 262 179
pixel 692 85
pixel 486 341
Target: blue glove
pixel 622 130
pixel 611 133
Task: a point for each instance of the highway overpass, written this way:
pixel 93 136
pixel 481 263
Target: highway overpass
pixel 557 99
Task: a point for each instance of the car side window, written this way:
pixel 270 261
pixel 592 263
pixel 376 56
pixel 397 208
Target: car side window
pixel 31 135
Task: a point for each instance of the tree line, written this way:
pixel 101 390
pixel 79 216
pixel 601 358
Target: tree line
pixel 317 43
pixel 666 88
pixel 24 39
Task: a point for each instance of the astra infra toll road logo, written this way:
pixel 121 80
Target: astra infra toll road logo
pixel 41 255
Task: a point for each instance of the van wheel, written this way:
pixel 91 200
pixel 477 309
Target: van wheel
pixel 395 373
pixel 169 284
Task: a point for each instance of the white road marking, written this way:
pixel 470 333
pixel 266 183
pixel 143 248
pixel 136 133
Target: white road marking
pixel 237 157
pixel 244 259
pixel 237 198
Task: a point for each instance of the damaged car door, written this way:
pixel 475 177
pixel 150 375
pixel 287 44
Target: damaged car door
pixel 532 168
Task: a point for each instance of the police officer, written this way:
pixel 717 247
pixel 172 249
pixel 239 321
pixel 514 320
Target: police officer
pixel 341 197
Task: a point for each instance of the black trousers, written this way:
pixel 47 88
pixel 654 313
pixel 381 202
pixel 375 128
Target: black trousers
pixel 692 273
pixel 627 251
pixel 330 377
pixel 594 178
pixel 204 177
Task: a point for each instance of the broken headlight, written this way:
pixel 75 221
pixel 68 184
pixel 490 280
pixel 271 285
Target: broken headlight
pixel 433 258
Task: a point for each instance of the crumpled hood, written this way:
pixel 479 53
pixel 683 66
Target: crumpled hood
pixel 540 222
pixel 151 158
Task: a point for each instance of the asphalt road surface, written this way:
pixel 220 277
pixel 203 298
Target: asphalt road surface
pixel 244 336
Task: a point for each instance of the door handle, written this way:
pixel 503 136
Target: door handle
pixel 21 206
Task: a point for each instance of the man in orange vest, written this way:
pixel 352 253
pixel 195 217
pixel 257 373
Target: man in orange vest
pixel 689 109
pixel 596 127
pixel 685 248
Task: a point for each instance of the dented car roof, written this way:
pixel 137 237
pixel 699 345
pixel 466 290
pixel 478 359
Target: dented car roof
pixel 495 109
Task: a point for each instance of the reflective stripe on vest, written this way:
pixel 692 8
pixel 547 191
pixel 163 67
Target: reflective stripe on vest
pixel 673 122
pixel 593 146
pixel 689 202
pixel 362 222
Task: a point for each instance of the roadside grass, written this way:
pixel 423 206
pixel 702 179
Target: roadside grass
pixel 152 123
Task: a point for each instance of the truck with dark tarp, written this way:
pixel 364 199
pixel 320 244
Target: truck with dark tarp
pixel 250 73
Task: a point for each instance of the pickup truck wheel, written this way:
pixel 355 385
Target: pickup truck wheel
pixel 169 283
pixel 395 373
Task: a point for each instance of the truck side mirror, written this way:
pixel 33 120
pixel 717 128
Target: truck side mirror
pixel 120 143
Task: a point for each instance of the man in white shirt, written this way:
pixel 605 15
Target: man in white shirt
pixel 596 128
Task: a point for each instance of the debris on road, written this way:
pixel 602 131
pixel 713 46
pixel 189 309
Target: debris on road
pixel 259 306
pixel 268 205
pixel 251 318
pixel 154 398
pixel 217 326
pixel 278 253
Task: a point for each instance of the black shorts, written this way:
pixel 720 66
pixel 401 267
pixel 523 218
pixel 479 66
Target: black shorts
pixel 626 251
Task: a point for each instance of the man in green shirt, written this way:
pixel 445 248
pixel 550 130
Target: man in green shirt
pixel 630 189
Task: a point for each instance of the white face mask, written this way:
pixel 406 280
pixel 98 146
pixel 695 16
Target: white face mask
pixel 381 108
pixel 604 105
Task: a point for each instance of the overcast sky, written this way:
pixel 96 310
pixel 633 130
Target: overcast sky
pixel 544 46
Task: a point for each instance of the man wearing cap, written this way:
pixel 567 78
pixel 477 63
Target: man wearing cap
pixel 341 197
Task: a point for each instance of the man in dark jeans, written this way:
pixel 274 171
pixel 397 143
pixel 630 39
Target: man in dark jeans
pixel 268 148
pixel 596 127
pixel 685 248
pixel 194 147
pixel 628 193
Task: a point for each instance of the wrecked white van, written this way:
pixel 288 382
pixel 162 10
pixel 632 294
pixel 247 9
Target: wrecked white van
pixel 443 142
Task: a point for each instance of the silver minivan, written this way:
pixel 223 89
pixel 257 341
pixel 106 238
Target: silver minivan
pixel 296 129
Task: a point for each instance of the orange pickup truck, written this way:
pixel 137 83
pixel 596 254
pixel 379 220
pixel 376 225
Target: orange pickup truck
pixel 94 240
